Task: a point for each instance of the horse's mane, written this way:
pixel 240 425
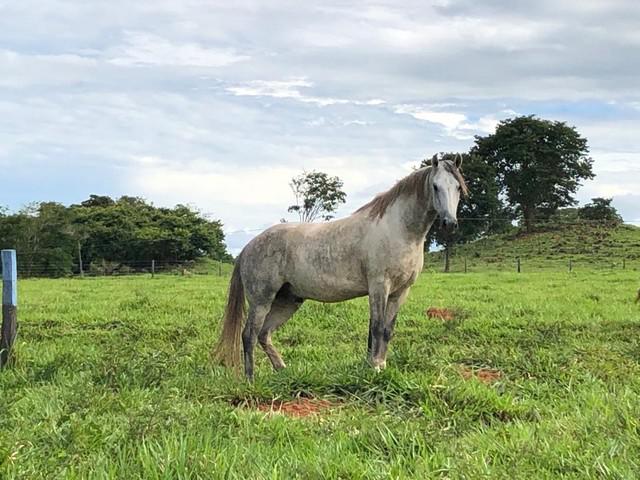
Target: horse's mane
pixel 412 184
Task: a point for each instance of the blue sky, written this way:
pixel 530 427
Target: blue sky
pixel 219 104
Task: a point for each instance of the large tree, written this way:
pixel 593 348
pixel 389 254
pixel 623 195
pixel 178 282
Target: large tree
pixel 481 213
pixel 539 164
pixel 317 196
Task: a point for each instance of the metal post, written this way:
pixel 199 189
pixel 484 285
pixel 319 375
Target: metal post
pixel 9 305
pixel 153 268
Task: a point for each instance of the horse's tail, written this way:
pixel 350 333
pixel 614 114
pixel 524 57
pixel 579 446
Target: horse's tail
pixel 227 351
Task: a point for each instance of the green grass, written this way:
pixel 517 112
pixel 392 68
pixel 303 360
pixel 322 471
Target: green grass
pixel 112 380
pixel 587 246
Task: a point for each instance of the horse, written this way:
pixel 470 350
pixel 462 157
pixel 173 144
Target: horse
pixel 377 251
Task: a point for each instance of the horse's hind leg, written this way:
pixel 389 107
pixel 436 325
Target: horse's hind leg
pixel 255 321
pixel 282 310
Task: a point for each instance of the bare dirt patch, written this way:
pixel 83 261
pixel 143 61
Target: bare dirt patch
pixel 301 407
pixel 445 314
pixel 484 375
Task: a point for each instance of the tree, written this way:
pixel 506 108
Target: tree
pixel 600 209
pixel 539 164
pixel 481 213
pixel 317 196
pixel 55 240
pixel 98 201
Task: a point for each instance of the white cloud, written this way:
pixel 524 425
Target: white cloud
pixel 291 89
pixel 455 124
pixel 142 48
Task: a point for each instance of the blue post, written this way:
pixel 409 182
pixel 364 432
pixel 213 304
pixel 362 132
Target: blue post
pixel 9 305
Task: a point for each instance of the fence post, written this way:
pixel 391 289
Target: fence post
pixel 624 263
pixel 219 268
pixel 446 259
pixel 9 305
pixel 570 266
pixel 153 268
pixel 518 259
pixel 465 264
pixel 80 264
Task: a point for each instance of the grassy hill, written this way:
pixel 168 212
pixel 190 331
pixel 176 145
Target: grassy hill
pixel 587 246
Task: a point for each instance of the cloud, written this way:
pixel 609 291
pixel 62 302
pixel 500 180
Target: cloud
pixel 291 89
pixel 457 125
pixel 219 103
pixel 143 49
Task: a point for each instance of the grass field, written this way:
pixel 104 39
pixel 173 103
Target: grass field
pixel 113 380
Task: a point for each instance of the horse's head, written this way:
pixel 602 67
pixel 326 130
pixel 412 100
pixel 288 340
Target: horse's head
pixel 446 184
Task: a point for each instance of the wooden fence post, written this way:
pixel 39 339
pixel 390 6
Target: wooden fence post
pixel 153 268
pixel 9 305
pixel 518 264
pixel 80 264
pixel 570 266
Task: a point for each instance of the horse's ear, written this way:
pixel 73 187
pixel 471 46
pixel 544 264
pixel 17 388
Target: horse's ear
pixel 434 161
pixel 458 160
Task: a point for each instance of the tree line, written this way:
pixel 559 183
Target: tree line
pixel 105 235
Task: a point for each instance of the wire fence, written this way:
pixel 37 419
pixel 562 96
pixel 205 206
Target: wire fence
pixel 139 267
pixel 434 262
pixel 555 245
pixel 437 262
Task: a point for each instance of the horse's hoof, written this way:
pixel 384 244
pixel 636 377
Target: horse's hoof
pixel 378 366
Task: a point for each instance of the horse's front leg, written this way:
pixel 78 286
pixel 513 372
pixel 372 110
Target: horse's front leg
pixel 394 303
pixel 378 297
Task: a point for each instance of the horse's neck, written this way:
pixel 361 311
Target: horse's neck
pixel 413 218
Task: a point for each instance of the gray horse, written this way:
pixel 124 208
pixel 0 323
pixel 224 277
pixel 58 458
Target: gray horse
pixel 377 251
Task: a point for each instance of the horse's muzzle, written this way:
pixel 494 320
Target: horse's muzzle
pixel 449 224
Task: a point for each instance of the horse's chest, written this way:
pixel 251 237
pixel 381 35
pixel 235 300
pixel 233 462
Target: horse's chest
pixel 404 271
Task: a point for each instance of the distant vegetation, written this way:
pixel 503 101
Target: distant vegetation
pixel 526 173
pixel 551 246
pixel 103 235
pixel 317 196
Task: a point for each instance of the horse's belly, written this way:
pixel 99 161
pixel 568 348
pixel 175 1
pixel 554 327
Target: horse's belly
pixel 328 290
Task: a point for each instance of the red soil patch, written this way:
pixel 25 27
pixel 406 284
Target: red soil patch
pixel 485 375
pixel 442 313
pixel 302 407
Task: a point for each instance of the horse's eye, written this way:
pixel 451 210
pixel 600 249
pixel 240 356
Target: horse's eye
pixel 435 187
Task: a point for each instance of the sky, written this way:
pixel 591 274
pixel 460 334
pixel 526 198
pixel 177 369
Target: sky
pixel 217 104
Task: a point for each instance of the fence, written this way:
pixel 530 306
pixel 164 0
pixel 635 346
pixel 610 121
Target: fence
pixel 461 263
pixel 137 267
